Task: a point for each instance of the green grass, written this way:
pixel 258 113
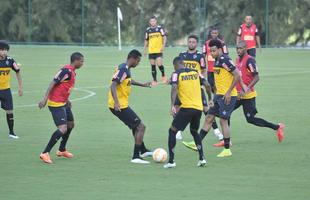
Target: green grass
pixel 259 169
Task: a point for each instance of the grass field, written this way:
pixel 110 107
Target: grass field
pixel 260 168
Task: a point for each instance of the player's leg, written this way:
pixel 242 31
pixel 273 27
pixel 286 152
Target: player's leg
pixel 250 111
pixel 159 62
pixel 7 105
pixel 153 68
pixel 62 151
pixel 194 126
pixel 224 114
pixel 60 120
pixel 177 105
pixel 180 122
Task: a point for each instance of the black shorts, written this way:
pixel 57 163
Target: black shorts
pixel 187 116
pixel 61 115
pixel 220 109
pixel 210 76
pixel 248 105
pixel 128 117
pixel 203 98
pixel 154 56
pixel 252 52
pixel 6 99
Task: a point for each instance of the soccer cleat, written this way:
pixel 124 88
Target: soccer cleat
pixel 164 79
pixel 225 153
pixel 139 161
pixel 178 136
pixel 154 83
pixel 221 144
pixel 190 145
pixel 147 153
pixel 45 157
pixel 13 136
pixel 169 165
pixel 202 163
pixel 65 154
pixel 280 132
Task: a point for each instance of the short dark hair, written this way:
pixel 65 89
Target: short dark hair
pixel 134 54
pixel 4 45
pixel 214 29
pixel 76 56
pixel 153 17
pixel 216 42
pixel 177 61
pixel 193 36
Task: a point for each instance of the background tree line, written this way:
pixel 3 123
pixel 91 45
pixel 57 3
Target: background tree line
pixel 60 21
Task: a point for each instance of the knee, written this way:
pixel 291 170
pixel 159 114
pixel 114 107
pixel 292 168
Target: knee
pixel 209 119
pixel 9 112
pixel 70 125
pixel 173 129
pixel 141 127
pixel 63 129
pixel 250 120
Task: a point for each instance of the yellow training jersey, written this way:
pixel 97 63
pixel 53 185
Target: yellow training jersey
pixel 123 89
pixel 223 77
pixel 155 37
pixel 189 91
pixel 195 60
pixel 5 68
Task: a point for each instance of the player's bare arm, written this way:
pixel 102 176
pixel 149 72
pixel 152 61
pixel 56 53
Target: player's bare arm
pixel 173 98
pixel 117 106
pixel 43 102
pixel 227 96
pixel 20 83
pixel 147 84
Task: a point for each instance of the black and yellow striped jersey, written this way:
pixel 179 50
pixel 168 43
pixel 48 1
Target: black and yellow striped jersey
pixel 194 61
pixel 155 37
pixel 5 68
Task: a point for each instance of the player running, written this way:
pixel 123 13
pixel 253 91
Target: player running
pixel 119 106
pixel 57 99
pixel 226 76
pixel 186 84
pixel 247 94
pixel 6 64
pixel 155 40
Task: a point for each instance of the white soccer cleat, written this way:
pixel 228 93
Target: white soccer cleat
pixel 146 154
pixel 13 136
pixel 170 165
pixel 202 163
pixel 139 161
pixel 178 136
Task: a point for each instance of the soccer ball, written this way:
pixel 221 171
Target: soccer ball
pixel 160 155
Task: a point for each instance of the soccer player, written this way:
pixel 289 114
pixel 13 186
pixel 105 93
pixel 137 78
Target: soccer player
pixel 6 64
pixel 57 99
pixel 225 76
pixel 186 85
pixel 155 40
pixel 249 33
pixel 195 60
pixel 246 92
pixel 119 106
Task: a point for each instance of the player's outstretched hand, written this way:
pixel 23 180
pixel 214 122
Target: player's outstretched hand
pixel 42 103
pixel 227 98
pixel 20 92
pixel 210 103
pixel 117 107
pixel 147 84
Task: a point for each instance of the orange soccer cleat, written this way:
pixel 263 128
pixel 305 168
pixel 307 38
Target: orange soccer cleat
pixel 280 132
pixel 65 154
pixel 164 79
pixel 221 144
pixel 45 157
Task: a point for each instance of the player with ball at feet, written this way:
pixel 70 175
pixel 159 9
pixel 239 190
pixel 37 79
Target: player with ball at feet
pixel 186 84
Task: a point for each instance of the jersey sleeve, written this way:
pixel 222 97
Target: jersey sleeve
pixel 162 31
pixel 174 78
pixel 62 75
pixel 228 64
pixel 202 79
pixel 225 49
pixel 120 75
pixel 14 65
pixel 251 65
pixel 146 37
pixel 256 32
